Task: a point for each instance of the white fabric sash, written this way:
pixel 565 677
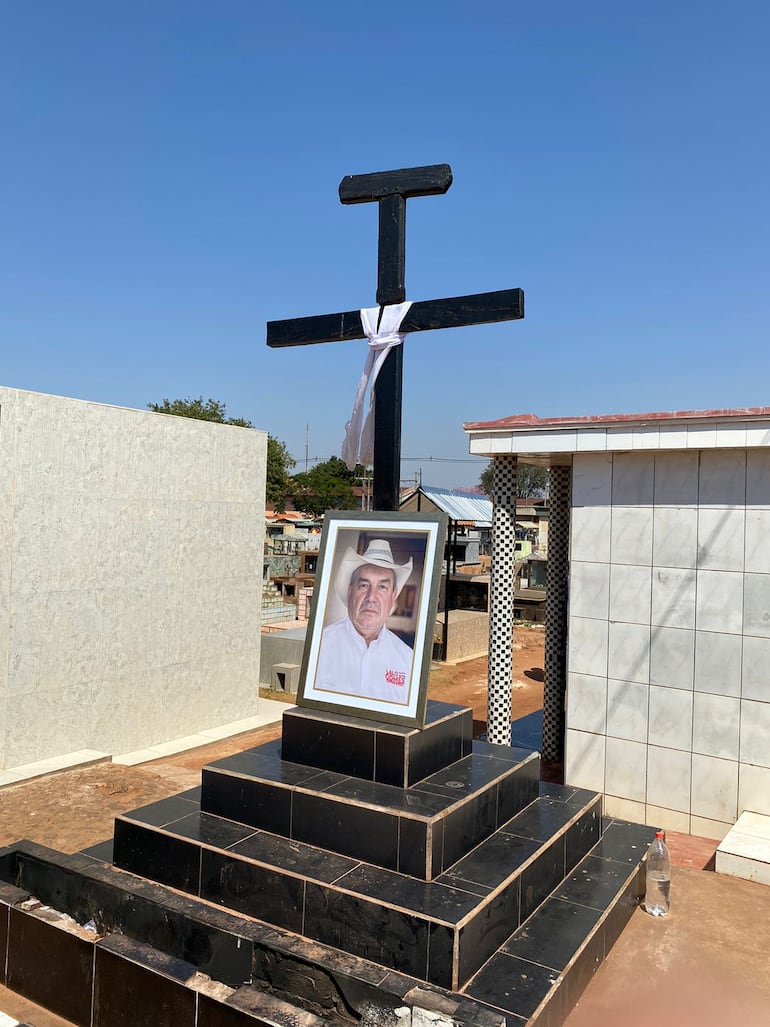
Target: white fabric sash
pixel 358 447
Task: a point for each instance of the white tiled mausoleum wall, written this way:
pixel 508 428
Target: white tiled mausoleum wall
pixel 130 576
pixel 668 687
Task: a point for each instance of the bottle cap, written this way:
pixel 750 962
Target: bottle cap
pixel 659 834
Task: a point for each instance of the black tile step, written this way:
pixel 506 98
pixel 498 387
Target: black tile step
pixel 420 830
pixel 439 931
pixel 540 972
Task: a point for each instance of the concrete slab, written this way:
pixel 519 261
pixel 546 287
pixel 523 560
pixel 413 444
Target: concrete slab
pixel 745 849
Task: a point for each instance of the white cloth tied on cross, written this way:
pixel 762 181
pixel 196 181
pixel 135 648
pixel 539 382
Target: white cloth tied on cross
pixel 358 447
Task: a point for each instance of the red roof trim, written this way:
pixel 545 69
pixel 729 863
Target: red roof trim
pixel 600 420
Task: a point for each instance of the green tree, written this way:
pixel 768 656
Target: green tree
pixel 531 480
pixel 279 461
pixel 327 486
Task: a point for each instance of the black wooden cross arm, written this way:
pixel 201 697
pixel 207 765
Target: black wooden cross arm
pixel 390 190
pixel 423 316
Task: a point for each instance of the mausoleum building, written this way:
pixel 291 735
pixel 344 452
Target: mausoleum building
pixel 658 626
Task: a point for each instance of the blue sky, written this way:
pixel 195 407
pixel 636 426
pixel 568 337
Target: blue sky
pixel 169 184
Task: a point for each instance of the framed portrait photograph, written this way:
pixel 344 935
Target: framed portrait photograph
pixel 369 641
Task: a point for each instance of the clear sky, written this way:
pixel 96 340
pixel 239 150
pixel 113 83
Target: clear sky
pixel 169 176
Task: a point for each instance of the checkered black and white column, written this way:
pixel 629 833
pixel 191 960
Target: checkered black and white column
pixel 501 600
pixel 556 614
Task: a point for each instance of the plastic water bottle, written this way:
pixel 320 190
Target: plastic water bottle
pixel 656 896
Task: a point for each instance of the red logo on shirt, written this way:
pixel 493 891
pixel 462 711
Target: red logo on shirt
pixel 395 677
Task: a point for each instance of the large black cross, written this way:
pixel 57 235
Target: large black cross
pixel 391 189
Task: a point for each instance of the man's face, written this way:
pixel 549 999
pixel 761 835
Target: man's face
pixel 371 598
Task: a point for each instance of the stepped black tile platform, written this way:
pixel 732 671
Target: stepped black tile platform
pixel 322 889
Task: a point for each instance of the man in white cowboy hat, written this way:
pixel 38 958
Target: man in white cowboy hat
pixel 359 655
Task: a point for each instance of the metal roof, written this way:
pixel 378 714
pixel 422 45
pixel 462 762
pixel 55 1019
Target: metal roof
pixel 461 506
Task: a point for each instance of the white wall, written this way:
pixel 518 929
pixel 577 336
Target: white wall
pixel 668 703
pixel 130 576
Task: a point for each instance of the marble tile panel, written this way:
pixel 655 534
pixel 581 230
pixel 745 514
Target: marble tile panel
pixel 722 478
pixel 754 789
pixel 758 477
pixel 587 646
pixel 630 593
pixel 757 434
pixel 715 725
pixel 755 674
pixel 590 533
pixel 721 539
pixel 625 773
pixel 755 733
pixel 621 438
pixel 584 760
pixel 592 479
pixel 714 789
pixel 673 438
pixel 731 436
pixel 676 479
pixel 673 597
pixel 632 479
pixel 589 589
pixel 670 718
pixel 628 656
pixel 647 438
pixel 631 535
pixel 758 541
pixel 668 778
pixel 718 663
pixel 587 703
pixel 756 605
pixel 701 436
pixel 719 601
pixel 591 441
pixel 672 657
pixel 703 827
pixel 667 819
pixel 627 704
pixel 675 536
pixel 624 809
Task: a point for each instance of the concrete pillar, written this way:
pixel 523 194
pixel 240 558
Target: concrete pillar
pixel 501 600
pixel 555 684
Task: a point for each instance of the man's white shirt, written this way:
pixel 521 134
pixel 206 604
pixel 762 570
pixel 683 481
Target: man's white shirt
pixel 380 670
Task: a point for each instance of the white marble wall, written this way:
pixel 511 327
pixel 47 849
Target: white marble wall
pixel 130 567
pixel 668 700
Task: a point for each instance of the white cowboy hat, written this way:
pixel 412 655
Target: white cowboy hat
pixel 379 555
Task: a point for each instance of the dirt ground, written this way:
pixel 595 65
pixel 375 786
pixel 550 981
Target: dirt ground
pixel 75 809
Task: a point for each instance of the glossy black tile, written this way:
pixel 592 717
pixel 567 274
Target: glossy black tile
pixel 294 856
pixel 491 862
pixel 441 969
pixel 505 753
pixel 541 876
pixel 270 1010
pixel 582 835
pixel 65 987
pixel 346 828
pixel 517 790
pixel 469 823
pixel 626 843
pixel 386 935
pixel 594 882
pixel 212 1013
pixel 252 802
pixel 269 895
pixel 327 745
pixel 585 964
pixel 161 857
pixel 163 812
pixel 487 929
pixel 4 918
pixel 137 986
pixel 620 913
pixel 513 985
pixel 101 852
pixel 428 899
pixel 553 934
pixel 413 841
pixel 388 797
pixel 542 818
pixel 210 830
